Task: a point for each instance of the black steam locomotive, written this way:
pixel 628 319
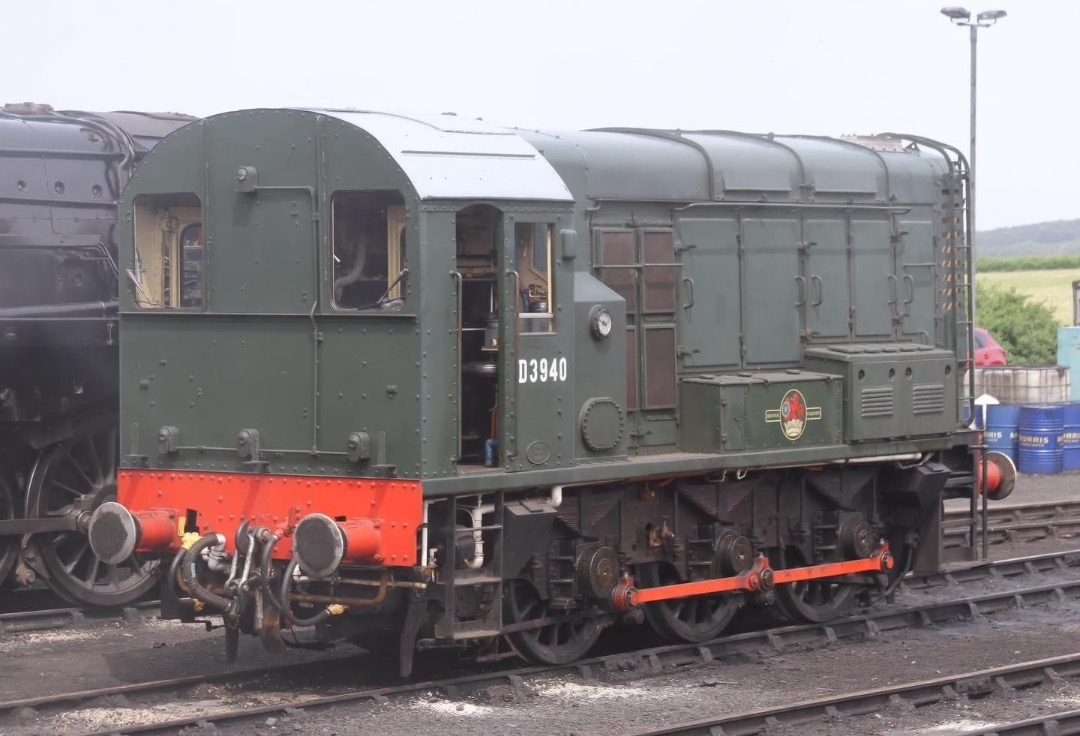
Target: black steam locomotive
pixel 62 173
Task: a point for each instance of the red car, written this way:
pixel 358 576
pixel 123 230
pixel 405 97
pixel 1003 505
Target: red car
pixel 987 351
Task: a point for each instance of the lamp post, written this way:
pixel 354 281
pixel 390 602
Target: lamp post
pixel 985 19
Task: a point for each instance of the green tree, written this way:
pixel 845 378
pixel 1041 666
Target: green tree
pixel 1026 328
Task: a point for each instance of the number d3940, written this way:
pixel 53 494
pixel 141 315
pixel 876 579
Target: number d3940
pixel 541 370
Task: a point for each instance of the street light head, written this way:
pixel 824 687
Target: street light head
pixel 990 16
pixel 955 13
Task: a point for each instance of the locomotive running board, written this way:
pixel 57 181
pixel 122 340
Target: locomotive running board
pixel 760 577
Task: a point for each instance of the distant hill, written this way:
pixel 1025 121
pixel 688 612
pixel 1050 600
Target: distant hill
pixel 1061 237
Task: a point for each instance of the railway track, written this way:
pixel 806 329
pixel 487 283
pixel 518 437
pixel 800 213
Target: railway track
pixel 613 667
pixel 977 684
pixel 1056 724
pixel 1017 524
pixel 47 619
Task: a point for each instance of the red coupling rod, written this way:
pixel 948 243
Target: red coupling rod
pixel 758 577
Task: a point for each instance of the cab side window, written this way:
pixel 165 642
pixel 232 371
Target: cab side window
pixel 370 270
pixel 168 268
pixel 532 262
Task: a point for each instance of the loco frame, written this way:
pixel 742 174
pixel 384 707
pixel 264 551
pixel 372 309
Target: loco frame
pixel 443 384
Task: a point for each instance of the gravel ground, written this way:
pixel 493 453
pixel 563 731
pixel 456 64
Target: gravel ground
pixel 954 716
pixel 114 653
pixel 566 707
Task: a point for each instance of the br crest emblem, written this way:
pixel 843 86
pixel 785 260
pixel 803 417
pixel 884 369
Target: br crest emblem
pixel 793 414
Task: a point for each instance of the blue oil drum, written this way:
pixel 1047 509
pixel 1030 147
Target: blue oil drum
pixel 1002 429
pixel 1070 437
pixel 1039 438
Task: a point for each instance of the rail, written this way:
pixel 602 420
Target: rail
pixel 980 683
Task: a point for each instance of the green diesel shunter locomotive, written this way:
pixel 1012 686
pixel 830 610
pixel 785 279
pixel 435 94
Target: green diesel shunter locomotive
pixel 437 383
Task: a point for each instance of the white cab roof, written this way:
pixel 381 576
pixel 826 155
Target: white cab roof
pixel 447 157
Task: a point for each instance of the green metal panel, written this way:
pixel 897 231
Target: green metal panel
pixel 893 389
pixel 369 382
pixel 829 295
pixel 933 393
pixel 211 380
pixel 599 371
pixel 873 277
pixel 760 411
pixel 543 404
pixel 440 362
pixel 839 171
pixel 261 244
pixel 696 166
pixel 536 391
pixel 772 294
pixel 918 270
pixel 708 319
pixel 708 407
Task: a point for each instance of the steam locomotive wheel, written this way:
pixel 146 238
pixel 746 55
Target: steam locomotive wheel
pixel 556 643
pixel 9 546
pixel 693 619
pixel 814 601
pixel 78 475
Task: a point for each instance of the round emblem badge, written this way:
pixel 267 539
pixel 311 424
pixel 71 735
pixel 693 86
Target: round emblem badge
pixel 793 414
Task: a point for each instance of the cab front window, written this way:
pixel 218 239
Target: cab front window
pixel 370 268
pixel 168 267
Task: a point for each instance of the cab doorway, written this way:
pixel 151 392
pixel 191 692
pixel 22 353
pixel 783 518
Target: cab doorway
pixel 478 232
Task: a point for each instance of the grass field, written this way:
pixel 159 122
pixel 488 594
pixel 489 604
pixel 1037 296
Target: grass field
pixel 1053 287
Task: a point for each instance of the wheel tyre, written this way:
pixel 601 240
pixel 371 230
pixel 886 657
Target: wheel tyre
pixel 695 619
pixel 551 645
pixel 814 601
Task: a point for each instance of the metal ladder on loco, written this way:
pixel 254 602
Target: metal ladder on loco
pixel 961 247
pixel 487 581
pixel 963 291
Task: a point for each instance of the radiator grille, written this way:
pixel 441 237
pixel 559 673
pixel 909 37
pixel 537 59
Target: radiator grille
pixel 928 398
pixel 877 401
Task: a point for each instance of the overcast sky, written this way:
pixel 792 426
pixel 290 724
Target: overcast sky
pixel 825 67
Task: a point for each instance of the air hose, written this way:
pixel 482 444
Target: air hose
pixel 286 584
pixel 264 569
pixel 188 574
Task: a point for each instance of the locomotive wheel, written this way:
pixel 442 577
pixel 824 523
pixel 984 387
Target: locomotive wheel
pixel 813 601
pixel 694 619
pixel 554 644
pixel 80 474
pixel 9 546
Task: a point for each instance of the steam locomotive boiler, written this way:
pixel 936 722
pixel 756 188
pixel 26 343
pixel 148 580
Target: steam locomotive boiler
pixel 448 385
pixel 59 327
